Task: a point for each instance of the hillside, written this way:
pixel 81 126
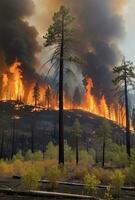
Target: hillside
pixel 24 121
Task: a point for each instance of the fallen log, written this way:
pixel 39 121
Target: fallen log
pixel 128 188
pixel 34 193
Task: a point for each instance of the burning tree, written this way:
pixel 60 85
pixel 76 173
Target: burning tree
pixel 124 76
pixel 48 97
pixel 60 36
pixel 36 94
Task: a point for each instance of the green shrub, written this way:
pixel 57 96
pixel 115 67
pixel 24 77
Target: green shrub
pixel 118 179
pixel 130 174
pixel 69 154
pixel 53 175
pixel 38 155
pixel 18 156
pixel 28 155
pixel 51 151
pixel 85 156
pixel 91 182
pixel 31 177
pixel 117 155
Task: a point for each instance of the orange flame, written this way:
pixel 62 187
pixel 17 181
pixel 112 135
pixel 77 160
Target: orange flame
pixel 12 84
pixel 13 88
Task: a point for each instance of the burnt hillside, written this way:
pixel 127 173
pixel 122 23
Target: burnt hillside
pixel 24 121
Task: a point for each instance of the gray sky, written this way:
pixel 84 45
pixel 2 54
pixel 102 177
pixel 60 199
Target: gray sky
pixel 128 44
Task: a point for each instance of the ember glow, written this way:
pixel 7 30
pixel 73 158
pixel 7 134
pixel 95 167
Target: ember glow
pixel 13 88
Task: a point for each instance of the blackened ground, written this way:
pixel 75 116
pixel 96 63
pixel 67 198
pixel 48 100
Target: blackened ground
pixel 22 120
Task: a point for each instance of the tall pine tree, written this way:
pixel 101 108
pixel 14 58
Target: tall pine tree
pixel 60 37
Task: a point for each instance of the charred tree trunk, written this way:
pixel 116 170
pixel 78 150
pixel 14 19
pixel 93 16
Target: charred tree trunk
pixel 77 151
pixel 103 159
pixel 32 139
pixel 2 145
pixel 128 145
pixel 13 139
pixel 61 126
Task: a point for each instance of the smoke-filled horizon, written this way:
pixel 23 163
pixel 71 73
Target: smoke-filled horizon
pixel 18 40
pixel 100 29
pixel 99 25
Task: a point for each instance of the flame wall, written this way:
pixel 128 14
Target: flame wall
pixel 14 88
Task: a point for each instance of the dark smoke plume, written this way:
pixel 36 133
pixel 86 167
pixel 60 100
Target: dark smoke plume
pixel 100 28
pixel 17 37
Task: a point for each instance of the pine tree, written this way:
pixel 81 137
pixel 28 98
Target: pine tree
pixel 124 76
pixel 104 133
pixel 60 36
pixel 48 97
pixel 36 94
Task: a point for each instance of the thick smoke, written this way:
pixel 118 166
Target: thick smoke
pixel 101 27
pixel 17 37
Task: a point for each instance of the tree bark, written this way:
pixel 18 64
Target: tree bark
pixel 77 151
pixel 61 127
pixel 103 159
pixel 2 145
pixel 32 139
pixel 13 140
pixel 128 145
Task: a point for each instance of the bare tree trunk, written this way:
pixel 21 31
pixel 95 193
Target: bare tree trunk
pixel 128 145
pixel 103 159
pixel 32 139
pixel 77 151
pixel 61 127
pixel 2 145
pixel 13 139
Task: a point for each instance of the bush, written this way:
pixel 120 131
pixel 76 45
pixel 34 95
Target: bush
pixel 18 167
pixel 103 175
pixel 69 154
pixel 118 179
pixel 51 151
pixel 91 182
pixel 53 174
pixel 38 155
pixel 6 169
pixel 69 170
pixel 130 175
pixel 28 155
pixel 18 156
pixel 31 177
pixel 117 155
pixel 81 171
pixel 86 157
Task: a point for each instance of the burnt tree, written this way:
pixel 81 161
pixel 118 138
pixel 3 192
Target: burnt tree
pixel 124 77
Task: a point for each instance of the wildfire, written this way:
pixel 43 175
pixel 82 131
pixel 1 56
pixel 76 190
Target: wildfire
pixel 13 88
pixel 12 83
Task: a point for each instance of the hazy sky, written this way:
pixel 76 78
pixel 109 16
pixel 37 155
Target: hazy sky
pixel 128 45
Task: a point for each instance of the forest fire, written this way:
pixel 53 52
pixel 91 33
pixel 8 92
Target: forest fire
pixel 13 88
